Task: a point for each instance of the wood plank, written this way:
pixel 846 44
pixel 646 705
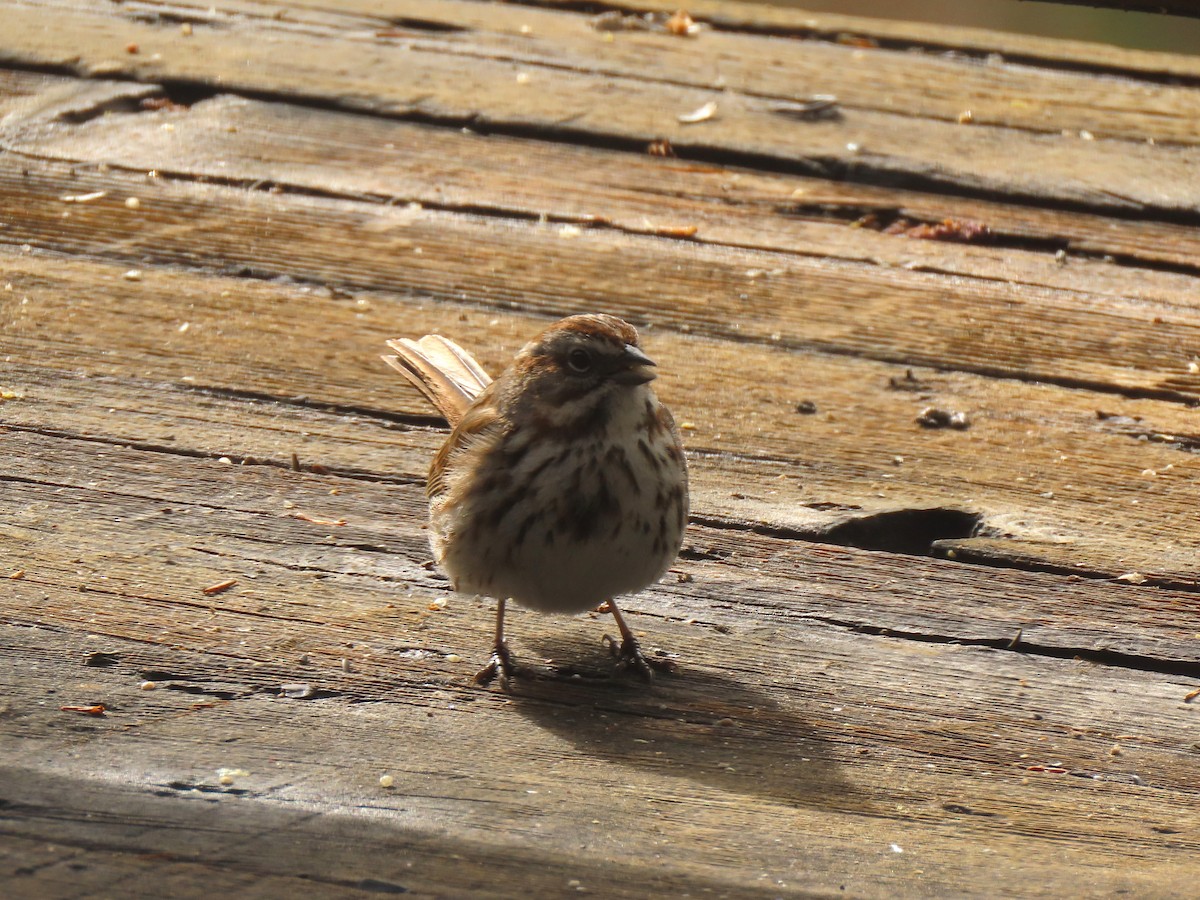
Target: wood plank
pixel 804 474
pixel 364 529
pixel 473 87
pixel 671 812
pixel 1170 7
pixel 770 18
pixel 234 140
pixel 1011 330
pixel 766 720
pixel 926 85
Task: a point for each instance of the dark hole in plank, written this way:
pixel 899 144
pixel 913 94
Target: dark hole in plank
pixel 910 531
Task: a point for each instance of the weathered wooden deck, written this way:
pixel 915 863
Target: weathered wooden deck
pixel 913 661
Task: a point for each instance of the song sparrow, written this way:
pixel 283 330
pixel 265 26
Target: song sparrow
pixel 563 482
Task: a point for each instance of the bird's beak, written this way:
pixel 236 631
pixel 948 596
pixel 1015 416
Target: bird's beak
pixel 634 367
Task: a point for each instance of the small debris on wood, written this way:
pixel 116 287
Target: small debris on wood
pixel 305 517
pixel 83 198
pixel 818 106
pixel 933 417
pixel 1117 418
pixel 660 147
pixel 132 275
pixel 701 114
pixel 154 104
pixel 678 23
pixel 806 407
pixel 97 710
pixel 101 659
pixel 966 117
pixel 1133 578
pixel 955 230
pixel 676 231
pixel 908 383
pixel 617 21
pixel 1192 695
pixel 681 24
pixel 17 575
pixel 300 691
pixel 218 587
pixel 869 220
pixel 386 781
pixel 856 40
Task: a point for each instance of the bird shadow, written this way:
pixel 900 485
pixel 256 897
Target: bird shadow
pixel 702 725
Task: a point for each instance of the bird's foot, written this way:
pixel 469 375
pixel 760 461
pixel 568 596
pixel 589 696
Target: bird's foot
pixel 500 664
pixel 628 654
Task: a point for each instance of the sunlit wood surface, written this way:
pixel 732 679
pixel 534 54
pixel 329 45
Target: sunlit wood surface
pixel 913 661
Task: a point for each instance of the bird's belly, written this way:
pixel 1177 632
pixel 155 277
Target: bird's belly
pixel 573 576
pixel 565 543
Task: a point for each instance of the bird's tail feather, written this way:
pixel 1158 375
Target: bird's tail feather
pixel 444 372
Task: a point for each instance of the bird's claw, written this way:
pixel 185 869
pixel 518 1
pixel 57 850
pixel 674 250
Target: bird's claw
pixel 628 654
pixel 500 664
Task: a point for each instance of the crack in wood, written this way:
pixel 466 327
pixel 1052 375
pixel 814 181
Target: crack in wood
pixel 347 472
pixel 1102 657
pixel 910 532
pixel 883 218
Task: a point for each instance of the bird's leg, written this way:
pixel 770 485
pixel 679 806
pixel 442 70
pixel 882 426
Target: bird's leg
pixel 629 654
pixel 501 662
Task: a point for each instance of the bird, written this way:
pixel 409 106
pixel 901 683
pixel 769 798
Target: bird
pixel 563 483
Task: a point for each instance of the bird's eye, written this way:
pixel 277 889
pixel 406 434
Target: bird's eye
pixel 579 361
